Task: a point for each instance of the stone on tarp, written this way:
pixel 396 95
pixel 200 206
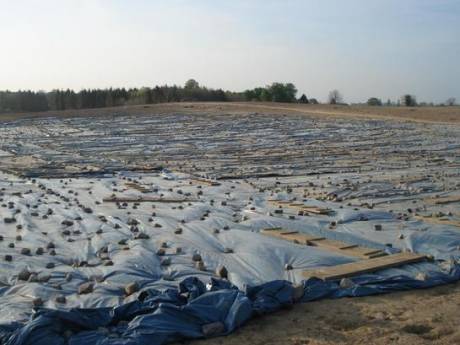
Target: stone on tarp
pixel 61 299
pixel 222 272
pixel 199 265
pixel 85 288
pixel 131 288
pixel 25 251
pixel 37 302
pixel 24 274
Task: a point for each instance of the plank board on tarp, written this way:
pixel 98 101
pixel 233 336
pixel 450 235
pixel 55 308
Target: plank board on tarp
pixel 324 243
pixel 364 266
pixel 145 199
pixel 293 236
pixel 347 249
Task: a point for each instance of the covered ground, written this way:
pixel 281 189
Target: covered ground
pixel 390 185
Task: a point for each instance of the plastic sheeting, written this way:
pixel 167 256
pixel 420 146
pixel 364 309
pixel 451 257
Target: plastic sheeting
pixel 160 317
pixel 177 300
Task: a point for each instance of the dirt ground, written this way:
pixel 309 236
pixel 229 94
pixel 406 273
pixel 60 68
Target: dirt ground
pixel 422 114
pixel 413 317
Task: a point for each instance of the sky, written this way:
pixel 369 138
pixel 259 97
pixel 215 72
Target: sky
pixel 363 48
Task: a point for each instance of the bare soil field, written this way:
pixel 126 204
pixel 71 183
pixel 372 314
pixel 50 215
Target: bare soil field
pixel 423 114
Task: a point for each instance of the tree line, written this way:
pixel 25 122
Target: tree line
pixel 408 100
pixel 276 92
pixel 99 98
pixel 30 101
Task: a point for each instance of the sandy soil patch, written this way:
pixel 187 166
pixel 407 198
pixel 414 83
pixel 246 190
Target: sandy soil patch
pixel 406 318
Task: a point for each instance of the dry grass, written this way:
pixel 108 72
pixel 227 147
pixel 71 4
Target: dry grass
pixel 423 114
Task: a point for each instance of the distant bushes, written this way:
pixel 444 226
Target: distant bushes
pixel 276 92
pixel 408 100
pixel 374 101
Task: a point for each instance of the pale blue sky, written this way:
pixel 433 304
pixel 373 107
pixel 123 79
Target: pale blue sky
pixel 364 48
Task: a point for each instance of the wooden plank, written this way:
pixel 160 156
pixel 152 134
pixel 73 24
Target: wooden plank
pixel 364 266
pixel 137 187
pixel 280 202
pixel 327 243
pixel 324 243
pixel 316 210
pixel 302 207
pixel 292 236
pixel 296 204
pixel 349 246
pixel 205 181
pixel 438 221
pixel 443 200
pixel 366 251
pixel 376 254
pixel 346 249
pixel 145 199
pixel 402 180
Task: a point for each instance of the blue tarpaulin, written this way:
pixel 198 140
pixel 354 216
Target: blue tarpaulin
pixel 176 299
pixel 160 317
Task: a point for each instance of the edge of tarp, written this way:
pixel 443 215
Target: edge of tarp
pixel 195 310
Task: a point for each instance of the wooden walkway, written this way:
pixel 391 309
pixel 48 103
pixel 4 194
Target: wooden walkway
pixel 364 266
pixel 373 259
pixel 205 181
pixel 324 243
pixel 138 187
pixel 438 221
pixel 146 199
pixel 444 200
pixel 302 207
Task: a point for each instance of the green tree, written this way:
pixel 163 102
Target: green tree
pixel 283 92
pixel 408 100
pixel 374 101
pixel 266 95
pixel 191 84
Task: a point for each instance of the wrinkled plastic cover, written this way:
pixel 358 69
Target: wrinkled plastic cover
pixel 176 301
